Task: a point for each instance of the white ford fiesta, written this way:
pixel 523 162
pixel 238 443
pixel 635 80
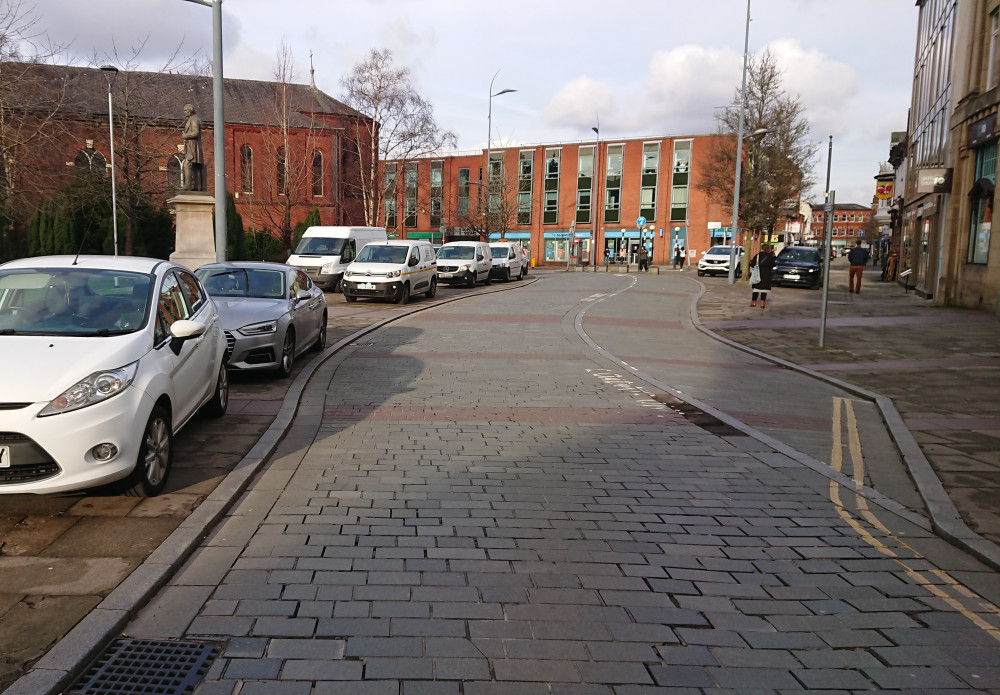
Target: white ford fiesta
pixel 104 359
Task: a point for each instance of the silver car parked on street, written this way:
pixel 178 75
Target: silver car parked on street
pixel 270 312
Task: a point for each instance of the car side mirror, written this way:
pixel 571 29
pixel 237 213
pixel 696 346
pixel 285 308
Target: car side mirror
pixel 302 295
pixel 183 330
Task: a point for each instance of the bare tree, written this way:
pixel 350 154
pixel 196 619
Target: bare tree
pixel 28 109
pixel 401 126
pixel 779 153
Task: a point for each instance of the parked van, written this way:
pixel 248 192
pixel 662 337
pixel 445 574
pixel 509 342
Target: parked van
pixel 509 260
pixel 394 269
pixel 324 252
pixel 467 262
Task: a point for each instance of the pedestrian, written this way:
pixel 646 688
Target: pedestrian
pixel 678 257
pixel 683 257
pixel 764 263
pixel 643 259
pixel 858 258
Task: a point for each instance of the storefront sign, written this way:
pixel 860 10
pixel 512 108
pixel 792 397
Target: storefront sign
pixel 934 180
pixel 982 131
pixel 883 190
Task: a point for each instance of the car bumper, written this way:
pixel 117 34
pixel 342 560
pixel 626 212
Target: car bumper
pixel 459 276
pixel 384 290
pixel 714 268
pixel 795 277
pixel 53 454
pixel 249 353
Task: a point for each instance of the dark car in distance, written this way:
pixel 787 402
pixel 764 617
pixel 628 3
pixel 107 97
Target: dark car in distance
pixel 799 266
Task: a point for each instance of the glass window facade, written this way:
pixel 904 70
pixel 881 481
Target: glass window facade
pixel 550 203
pixel 584 185
pixel 613 183
pixel 680 180
pixel 437 192
pixel 650 178
pixel 389 186
pixel 525 178
pixel 463 192
pixel 982 205
pixel 410 194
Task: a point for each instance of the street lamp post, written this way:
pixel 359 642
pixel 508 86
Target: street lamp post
pixel 739 152
pixel 219 128
pixel 111 73
pixel 595 207
pixel 489 137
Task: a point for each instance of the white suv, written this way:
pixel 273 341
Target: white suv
pixel 392 270
pixel 509 261
pixel 467 262
pixel 716 261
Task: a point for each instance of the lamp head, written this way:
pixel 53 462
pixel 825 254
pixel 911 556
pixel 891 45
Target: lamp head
pixel 596 130
pixel 110 73
pixel 504 91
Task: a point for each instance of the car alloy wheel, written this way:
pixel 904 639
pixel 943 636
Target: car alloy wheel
pixel 152 466
pixel 320 343
pixel 217 406
pixel 287 355
pixel 433 289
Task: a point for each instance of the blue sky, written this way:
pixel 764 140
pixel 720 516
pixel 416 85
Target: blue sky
pixel 643 67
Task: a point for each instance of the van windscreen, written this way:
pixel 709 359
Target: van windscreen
pixel 320 246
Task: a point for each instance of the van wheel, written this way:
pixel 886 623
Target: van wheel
pixel 404 294
pixel 152 466
pixel 350 298
pixel 472 279
pixel 336 286
pixel 433 289
pixel 488 280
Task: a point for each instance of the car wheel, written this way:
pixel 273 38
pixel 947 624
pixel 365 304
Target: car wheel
pixel 350 298
pixel 471 281
pixel 320 343
pixel 336 286
pixel 287 359
pixel 433 289
pixel 217 406
pixel 488 280
pixel 404 294
pixel 701 272
pixel 152 466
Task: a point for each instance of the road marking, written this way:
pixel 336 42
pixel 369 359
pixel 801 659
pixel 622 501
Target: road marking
pixel 936 581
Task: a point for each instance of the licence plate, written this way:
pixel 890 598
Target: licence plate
pixel 365 286
pixel 4 457
pixel 790 277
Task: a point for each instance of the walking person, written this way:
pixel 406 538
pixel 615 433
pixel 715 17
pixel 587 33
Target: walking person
pixel 858 258
pixel 643 259
pixel 683 257
pixel 678 257
pixel 763 263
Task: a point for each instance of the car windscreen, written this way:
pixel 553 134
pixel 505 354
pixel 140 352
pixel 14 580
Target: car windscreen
pixel 260 283
pixel 500 251
pixel 457 253
pixel 718 251
pixel 320 246
pixel 73 301
pixel 797 254
pixel 378 253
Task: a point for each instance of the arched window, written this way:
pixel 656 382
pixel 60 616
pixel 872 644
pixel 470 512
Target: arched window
pixel 317 170
pixel 280 171
pixel 246 168
pixel 90 161
pixel 175 172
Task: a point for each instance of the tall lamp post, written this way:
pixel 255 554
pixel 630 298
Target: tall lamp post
pixel 219 128
pixel 489 137
pixel 739 152
pixel 111 73
pixel 597 183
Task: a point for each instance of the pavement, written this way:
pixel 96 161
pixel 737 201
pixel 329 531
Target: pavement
pixel 931 374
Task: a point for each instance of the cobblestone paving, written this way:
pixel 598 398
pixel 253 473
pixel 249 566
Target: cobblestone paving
pixel 528 520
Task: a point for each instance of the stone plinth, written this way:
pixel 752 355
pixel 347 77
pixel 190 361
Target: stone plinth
pixel 195 242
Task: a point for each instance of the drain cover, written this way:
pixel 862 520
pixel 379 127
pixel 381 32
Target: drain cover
pixel 144 667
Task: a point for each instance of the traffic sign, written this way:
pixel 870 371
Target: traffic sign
pixel 641 221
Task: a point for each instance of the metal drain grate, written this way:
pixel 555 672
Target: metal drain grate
pixel 143 667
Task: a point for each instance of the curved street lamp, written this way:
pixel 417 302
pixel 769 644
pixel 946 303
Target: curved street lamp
pixel 111 73
pixel 489 137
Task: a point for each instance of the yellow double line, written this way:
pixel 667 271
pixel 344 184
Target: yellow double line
pixel 937 582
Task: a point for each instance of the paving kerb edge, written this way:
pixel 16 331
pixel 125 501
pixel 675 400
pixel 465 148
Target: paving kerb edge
pixel 54 671
pixel 945 519
pixel 791 453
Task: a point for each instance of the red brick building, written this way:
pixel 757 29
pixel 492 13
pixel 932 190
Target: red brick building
pixel 289 148
pixel 850 222
pixel 544 196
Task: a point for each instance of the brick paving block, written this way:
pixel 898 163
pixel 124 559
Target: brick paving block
pixel 913 678
pixel 681 677
pixel 469 611
pixel 621 652
pixel 404 668
pixel 546 649
pixel 306 648
pixel 284 627
pixel 416 627
pixel 911 655
pixel 462 669
pixel 430 688
pixel 609 672
pixel 761 678
pixel 253 669
pixel 271 608
pixel 527 670
pixel 321 670
pixel 452 647
pixel 212 626
pixel 832 679
pixel 493 688
pixel 511 629
pixel 272 688
pixel 247 647
pixel 734 657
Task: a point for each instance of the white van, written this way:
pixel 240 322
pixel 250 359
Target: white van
pixel 324 252
pixel 393 269
pixel 467 262
pixel 509 260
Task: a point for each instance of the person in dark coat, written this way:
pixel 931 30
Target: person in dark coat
pixel 764 260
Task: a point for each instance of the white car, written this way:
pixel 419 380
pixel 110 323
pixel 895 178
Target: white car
pixel 393 270
pixel 271 313
pixel 715 261
pixel 466 262
pixel 105 358
pixel 509 261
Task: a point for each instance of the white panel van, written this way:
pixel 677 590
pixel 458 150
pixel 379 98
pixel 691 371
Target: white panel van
pixel 324 252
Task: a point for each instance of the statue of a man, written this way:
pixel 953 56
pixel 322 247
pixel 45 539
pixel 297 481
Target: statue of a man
pixel 194 157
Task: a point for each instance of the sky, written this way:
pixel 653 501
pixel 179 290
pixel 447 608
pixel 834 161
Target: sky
pixel 635 67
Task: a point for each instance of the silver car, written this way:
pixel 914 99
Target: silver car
pixel 270 312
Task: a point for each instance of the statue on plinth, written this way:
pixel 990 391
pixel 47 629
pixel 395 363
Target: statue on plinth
pixel 194 157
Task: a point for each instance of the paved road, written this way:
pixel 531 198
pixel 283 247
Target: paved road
pixel 567 489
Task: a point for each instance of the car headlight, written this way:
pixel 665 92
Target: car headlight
pixel 327 269
pixel 95 388
pixel 394 273
pixel 259 328
pixel 467 266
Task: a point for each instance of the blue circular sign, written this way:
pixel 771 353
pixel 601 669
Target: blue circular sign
pixel 641 221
